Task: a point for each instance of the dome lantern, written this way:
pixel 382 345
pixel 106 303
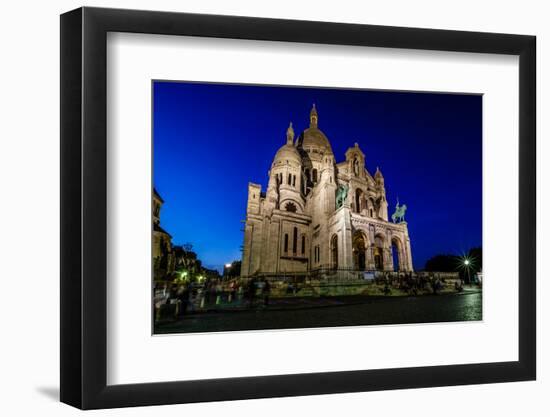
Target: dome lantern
pixel 314 138
pixel 313 117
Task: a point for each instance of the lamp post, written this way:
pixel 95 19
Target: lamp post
pixel 467 266
pixel 228 270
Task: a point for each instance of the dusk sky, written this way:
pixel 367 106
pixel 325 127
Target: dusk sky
pixel 211 140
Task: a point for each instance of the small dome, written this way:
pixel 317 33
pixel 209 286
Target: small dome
pixel 288 153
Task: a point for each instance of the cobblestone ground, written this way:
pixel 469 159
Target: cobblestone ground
pixel 366 311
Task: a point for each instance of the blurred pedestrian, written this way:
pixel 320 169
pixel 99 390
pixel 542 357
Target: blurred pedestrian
pixel 266 291
pixel 251 292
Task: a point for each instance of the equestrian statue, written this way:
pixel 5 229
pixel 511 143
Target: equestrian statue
pixel 341 195
pixel 399 214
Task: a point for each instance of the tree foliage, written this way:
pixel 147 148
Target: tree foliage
pixel 442 263
pixel 456 263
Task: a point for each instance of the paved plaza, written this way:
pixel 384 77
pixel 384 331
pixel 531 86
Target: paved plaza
pixel 332 311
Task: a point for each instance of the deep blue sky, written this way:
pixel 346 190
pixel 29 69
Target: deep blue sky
pixel 210 140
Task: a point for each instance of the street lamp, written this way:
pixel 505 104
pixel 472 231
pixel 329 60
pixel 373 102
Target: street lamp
pixel 467 266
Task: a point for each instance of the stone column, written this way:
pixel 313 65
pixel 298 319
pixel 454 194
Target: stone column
pixel 409 264
pixel 346 239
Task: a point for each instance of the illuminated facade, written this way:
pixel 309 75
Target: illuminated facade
pixel 320 215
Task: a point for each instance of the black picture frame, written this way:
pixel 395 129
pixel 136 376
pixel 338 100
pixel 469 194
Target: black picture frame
pixel 84 207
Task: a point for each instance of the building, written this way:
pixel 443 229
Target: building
pixel 319 214
pixel 163 256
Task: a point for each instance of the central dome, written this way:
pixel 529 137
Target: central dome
pixel 313 137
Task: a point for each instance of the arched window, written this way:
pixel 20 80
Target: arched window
pixel 294 240
pixel 358 199
pixel 303 244
pixel 289 179
pixel 334 251
pixel 294 180
pixel 286 243
pixel 291 207
pixel 314 175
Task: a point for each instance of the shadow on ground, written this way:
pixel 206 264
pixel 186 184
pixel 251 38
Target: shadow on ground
pixel 50 392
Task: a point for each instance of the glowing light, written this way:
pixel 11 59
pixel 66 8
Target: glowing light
pixel 466 262
pixel 228 265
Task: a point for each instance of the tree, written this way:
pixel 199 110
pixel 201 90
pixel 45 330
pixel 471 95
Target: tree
pixel 457 263
pixel 442 263
pixel 232 271
pixel 476 256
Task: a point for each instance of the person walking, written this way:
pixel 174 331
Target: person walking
pixel 183 298
pixel 251 292
pixel 266 291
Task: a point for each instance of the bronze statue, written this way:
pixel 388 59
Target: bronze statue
pixel 341 195
pixel 399 213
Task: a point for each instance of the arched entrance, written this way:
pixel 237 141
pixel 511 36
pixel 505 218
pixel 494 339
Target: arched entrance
pixel 397 254
pixel 378 252
pixel 359 248
pixel 334 252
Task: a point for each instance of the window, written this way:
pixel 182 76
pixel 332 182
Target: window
pixel 286 243
pixel 294 180
pixel 317 254
pixel 303 244
pixel 294 240
pixel 289 179
pixel 334 251
pixel 314 175
pixel 290 207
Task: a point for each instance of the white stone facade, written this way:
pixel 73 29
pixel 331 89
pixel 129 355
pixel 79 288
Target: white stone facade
pixel 299 226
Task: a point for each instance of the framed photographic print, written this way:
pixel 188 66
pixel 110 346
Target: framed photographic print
pixel 335 207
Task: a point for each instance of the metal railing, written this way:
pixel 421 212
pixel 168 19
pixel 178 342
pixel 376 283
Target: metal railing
pixel 351 274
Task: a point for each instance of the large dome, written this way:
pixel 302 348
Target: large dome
pixel 312 137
